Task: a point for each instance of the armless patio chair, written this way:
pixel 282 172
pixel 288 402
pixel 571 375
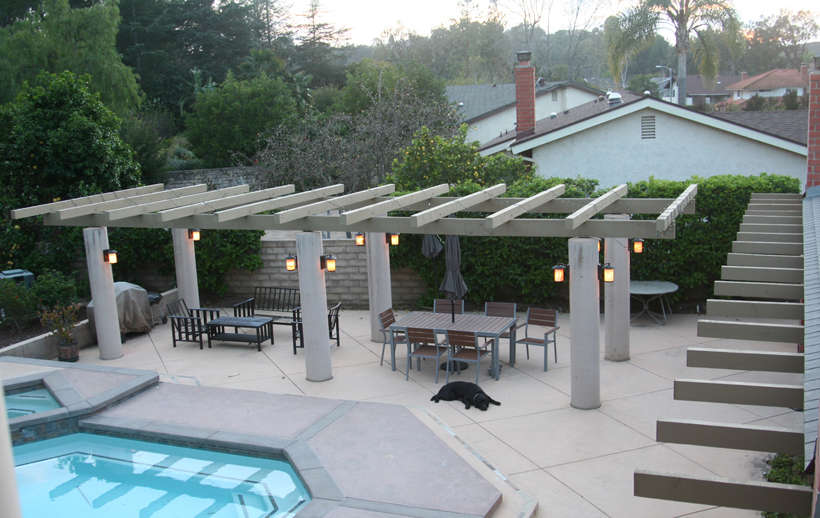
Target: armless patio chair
pixel 188 325
pixel 332 326
pixel 466 346
pixel 446 306
pixel 502 309
pixel 422 343
pixel 387 319
pixel 544 318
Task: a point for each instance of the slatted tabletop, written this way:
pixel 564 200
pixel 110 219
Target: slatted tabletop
pixel 484 326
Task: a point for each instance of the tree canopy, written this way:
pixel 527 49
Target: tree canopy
pixel 55 38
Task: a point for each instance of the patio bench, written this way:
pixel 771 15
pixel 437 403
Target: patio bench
pixel 280 304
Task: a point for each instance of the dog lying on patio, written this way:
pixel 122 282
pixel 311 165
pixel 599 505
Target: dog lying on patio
pixel 466 392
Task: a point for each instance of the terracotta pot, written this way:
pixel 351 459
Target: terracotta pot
pixel 68 351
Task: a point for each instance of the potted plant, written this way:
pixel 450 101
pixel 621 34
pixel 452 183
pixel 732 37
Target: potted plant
pixel 61 320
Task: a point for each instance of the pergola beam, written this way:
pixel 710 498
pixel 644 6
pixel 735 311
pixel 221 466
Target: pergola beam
pixel 455 226
pixel 91 208
pixel 337 203
pixel 225 203
pixel 668 216
pixel 127 212
pixel 526 205
pixel 562 205
pixel 402 202
pixel 278 203
pixel 39 210
pixel 457 205
pixel 582 215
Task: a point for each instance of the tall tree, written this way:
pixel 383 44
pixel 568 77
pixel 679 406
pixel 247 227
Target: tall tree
pixel 779 41
pixel 56 38
pixel 320 52
pixel 693 22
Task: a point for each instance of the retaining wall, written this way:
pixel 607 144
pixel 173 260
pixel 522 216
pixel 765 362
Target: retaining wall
pixel 215 178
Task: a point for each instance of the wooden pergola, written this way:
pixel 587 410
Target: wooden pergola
pixel 369 211
pixel 238 208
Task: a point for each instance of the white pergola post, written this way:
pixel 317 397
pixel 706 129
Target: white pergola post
pixel 379 288
pixel 584 313
pixel 106 318
pixel 616 297
pixel 9 497
pixel 185 265
pixel 315 328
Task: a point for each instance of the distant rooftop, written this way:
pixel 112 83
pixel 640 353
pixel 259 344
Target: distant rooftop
pixel 772 80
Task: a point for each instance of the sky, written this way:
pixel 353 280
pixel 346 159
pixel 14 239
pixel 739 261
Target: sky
pixel 367 19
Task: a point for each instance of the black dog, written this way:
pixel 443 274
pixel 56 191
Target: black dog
pixel 468 393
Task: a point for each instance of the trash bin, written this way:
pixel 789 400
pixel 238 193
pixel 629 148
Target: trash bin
pixel 24 277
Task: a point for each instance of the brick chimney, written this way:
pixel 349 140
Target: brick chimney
pixel 744 76
pixel 804 72
pixel 813 176
pixel 524 94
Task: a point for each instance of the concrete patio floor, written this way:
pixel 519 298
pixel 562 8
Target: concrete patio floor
pixel 574 462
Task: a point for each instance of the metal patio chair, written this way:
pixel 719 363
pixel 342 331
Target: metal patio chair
pixel 544 318
pixel 422 343
pixel 387 319
pixel 466 346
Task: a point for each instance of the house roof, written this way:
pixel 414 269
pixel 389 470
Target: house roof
pixel 600 111
pixel 695 86
pixel 772 80
pixel 788 124
pixel 478 101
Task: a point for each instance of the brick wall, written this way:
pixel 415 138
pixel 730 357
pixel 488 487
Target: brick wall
pixel 813 177
pixel 214 178
pixel 347 284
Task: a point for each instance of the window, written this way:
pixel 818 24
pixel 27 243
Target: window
pixel 647 127
pixel 555 95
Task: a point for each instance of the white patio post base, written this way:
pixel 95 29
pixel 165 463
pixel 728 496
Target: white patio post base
pixel 379 289
pixel 185 265
pixel 106 318
pixel 584 315
pixel 314 307
pixel 616 297
pixel 9 496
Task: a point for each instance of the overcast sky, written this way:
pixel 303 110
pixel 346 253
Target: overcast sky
pixel 367 19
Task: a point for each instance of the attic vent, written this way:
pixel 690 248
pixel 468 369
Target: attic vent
pixel 647 126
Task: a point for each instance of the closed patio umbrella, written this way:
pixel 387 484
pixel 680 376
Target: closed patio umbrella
pixel 453 283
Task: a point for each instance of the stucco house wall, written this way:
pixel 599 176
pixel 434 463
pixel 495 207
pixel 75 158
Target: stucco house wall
pixel 614 153
pixel 778 92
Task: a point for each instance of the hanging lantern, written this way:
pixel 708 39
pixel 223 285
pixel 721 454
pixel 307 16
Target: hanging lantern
pixel 559 272
pixel 290 262
pixel 194 234
pixel 360 239
pixel 637 245
pixel 392 239
pixel 609 272
pixel 110 256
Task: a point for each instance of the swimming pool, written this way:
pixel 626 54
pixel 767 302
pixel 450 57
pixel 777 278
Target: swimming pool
pixel 29 402
pixel 88 476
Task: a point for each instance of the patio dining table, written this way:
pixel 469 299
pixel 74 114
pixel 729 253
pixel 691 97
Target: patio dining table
pixel 491 327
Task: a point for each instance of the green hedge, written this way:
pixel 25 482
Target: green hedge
pixel 521 268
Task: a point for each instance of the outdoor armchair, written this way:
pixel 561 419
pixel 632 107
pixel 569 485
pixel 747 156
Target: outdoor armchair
pixel 544 318
pixel 188 325
pixel 422 343
pixel 502 309
pixel 466 346
pixel 388 318
pixel 446 306
pixel 332 324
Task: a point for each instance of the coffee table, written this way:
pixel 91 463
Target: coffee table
pixel 263 326
pixel 646 292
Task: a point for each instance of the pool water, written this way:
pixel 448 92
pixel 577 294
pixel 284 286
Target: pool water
pixel 29 402
pixel 89 476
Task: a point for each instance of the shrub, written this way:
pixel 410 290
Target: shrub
pixel 52 288
pixel 786 469
pixel 18 304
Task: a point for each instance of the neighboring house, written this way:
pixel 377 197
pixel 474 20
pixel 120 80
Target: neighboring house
pixel 697 92
pixel 774 83
pixel 626 138
pixel 489 109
